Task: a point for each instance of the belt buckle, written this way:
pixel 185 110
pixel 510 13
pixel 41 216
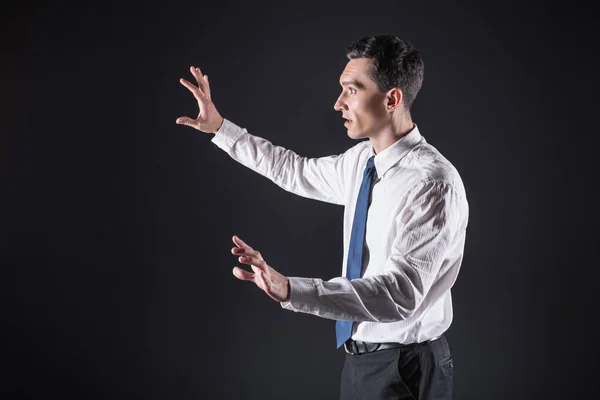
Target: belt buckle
pixel 346 348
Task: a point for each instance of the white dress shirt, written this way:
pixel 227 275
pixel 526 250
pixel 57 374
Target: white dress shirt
pixel 415 233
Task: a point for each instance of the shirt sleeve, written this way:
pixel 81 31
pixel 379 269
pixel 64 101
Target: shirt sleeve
pixel 315 178
pixel 426 229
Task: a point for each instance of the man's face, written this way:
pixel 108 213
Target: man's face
pixel 361 103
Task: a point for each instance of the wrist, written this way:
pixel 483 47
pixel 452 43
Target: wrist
pixel 221 120
pixel 289 290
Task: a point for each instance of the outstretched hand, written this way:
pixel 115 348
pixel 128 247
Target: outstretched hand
pixel 272 282
pixel 208 120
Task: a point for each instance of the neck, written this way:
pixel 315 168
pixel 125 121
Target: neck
pixel 391 133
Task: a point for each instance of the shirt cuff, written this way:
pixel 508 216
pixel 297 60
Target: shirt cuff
pixel 227 135
pixel 302 294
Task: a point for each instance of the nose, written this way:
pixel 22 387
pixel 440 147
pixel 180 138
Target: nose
pixel 339 105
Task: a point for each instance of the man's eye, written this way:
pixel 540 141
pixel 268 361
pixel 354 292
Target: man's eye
pixel 352 91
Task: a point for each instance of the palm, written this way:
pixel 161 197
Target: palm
pixel 266 278
pixel 201 118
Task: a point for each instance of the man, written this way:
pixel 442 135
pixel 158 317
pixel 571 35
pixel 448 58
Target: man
pixel 405 223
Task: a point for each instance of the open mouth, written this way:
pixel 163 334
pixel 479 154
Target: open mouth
pixel 348 122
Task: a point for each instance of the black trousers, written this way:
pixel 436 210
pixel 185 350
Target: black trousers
pixel 420 371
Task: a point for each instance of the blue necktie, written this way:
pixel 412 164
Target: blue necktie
pixel 343 329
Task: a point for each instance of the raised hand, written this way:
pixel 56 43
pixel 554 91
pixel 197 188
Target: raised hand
pixel 272 282
pixel 208 120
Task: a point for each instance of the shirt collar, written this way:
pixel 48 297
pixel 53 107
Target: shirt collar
pixel 394 153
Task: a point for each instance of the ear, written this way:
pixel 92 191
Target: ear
pixel 393 99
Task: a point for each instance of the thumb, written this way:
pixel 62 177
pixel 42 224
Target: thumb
pixel 243 274
pixel 186 121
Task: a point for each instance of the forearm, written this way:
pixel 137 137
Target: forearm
pixel 381 298
pixel 308 177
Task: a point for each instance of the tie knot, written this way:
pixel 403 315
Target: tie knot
pixel 370 164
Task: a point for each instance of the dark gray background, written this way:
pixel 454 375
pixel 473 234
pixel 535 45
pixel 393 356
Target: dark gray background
pixel 117 223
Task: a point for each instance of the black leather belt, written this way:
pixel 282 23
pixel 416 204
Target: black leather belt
pixel 356 347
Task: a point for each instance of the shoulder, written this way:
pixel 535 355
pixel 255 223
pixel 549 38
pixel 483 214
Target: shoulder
pixel 434 169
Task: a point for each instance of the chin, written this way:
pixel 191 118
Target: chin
pixel 355 135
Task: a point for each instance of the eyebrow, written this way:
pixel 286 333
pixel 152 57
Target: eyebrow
pixel 353 82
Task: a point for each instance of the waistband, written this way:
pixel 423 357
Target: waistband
pixel 356 347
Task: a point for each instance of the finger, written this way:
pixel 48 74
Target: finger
pixel 245 253
pixel 198 70
pixel 186 121
pixel 256 262
pixel 244 249
pixel 202 81
pixel 243 274
pixel 240 243
pixel 192 88
pixel 207 87
pixel 198 76
pixel 197 92
pixel 237 251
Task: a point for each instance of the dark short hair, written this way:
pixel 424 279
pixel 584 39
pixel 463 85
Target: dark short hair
pixel 396 63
